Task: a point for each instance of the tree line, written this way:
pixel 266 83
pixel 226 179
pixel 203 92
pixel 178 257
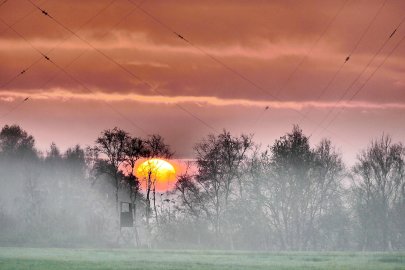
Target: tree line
pixel 235 194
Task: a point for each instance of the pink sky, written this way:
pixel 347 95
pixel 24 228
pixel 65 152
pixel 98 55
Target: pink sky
pixel 262 41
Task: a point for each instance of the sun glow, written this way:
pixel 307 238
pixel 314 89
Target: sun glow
pixel 158 173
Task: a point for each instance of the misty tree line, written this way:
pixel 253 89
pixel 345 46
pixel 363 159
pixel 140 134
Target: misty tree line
pixel 235 194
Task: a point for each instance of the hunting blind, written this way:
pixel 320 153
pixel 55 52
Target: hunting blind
pixel 126 215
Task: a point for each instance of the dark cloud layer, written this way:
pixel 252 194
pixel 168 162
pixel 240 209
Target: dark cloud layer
pixel 263 41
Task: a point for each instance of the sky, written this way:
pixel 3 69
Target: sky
pixel 184 69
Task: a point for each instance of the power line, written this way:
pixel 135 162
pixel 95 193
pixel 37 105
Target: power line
pixel 46 56
pixel 14 108
pixel 83 52
pixel 126 70
pixel 366 30
pixel 77 57
pixel 179 36
pixel 105 33
pixel 305 57
pixel 3 2
pixel 362 72
pixel 74 79
pixel 368 79
pixel 216 60
pixel 348 57
pixel 21 18
pixel 22 72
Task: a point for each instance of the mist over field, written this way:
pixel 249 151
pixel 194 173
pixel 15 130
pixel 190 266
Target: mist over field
pixel 293 195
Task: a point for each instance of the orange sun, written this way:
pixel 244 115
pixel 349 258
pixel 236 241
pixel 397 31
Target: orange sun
pixel 161 172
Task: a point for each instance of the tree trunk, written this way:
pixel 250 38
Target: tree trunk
pixel 135 223
pixel 154 203
pixel 116 195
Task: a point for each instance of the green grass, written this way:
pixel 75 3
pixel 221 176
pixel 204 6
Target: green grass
pixel 40 258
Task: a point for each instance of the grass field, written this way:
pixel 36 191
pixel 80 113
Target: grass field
pixel 38 258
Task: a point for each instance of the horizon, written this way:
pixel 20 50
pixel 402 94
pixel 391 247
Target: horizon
pixel 349 159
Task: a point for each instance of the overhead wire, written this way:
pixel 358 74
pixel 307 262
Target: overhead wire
pixel 84 51
pixel 24 70
pixel 356 79
pixel 305 57
pixel 46 57
pixel 22 17
pixel 219 62
pixel 76 80
pixel 366 30
pixel 367 80
pixel 346 60
pixel 14 108
pixel 3 2
pixel 44 12
pixel 178 35
pixel 126 70
pixel 204 52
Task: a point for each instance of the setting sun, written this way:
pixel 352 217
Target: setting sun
pixel 161 172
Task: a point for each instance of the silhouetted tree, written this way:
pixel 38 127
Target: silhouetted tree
pixel 300 187
pixel 19 167
pixel 156 148
pixel 111 145
pixel 288 197
pixel 135 149
pixel 193 204
pixel 75 162
pixel 16 143
pixel 378 186
pixel 218 159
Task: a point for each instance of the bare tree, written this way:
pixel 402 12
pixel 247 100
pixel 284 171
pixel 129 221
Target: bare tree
pixel 218 160
pixel 299 188
pixel 155 147
pixel 111 144
pixel 378 183
pixel 135 149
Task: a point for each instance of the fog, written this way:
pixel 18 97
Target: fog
pixel 292 195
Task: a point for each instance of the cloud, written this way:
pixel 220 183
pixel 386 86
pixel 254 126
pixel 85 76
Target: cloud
pixel 267 42
pixel 262 41
pixel 65 95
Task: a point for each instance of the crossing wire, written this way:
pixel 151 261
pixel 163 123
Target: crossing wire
pixel 77 81
pixel 368 79
pixel 46 57
pixel 22 72
pixel 347 90
pixel 305 57
pixel 3 2
pixel 221 63
pixel 22 17
pixel 126 70
pixel 61 42
pixel 81 54
pixel 348 57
